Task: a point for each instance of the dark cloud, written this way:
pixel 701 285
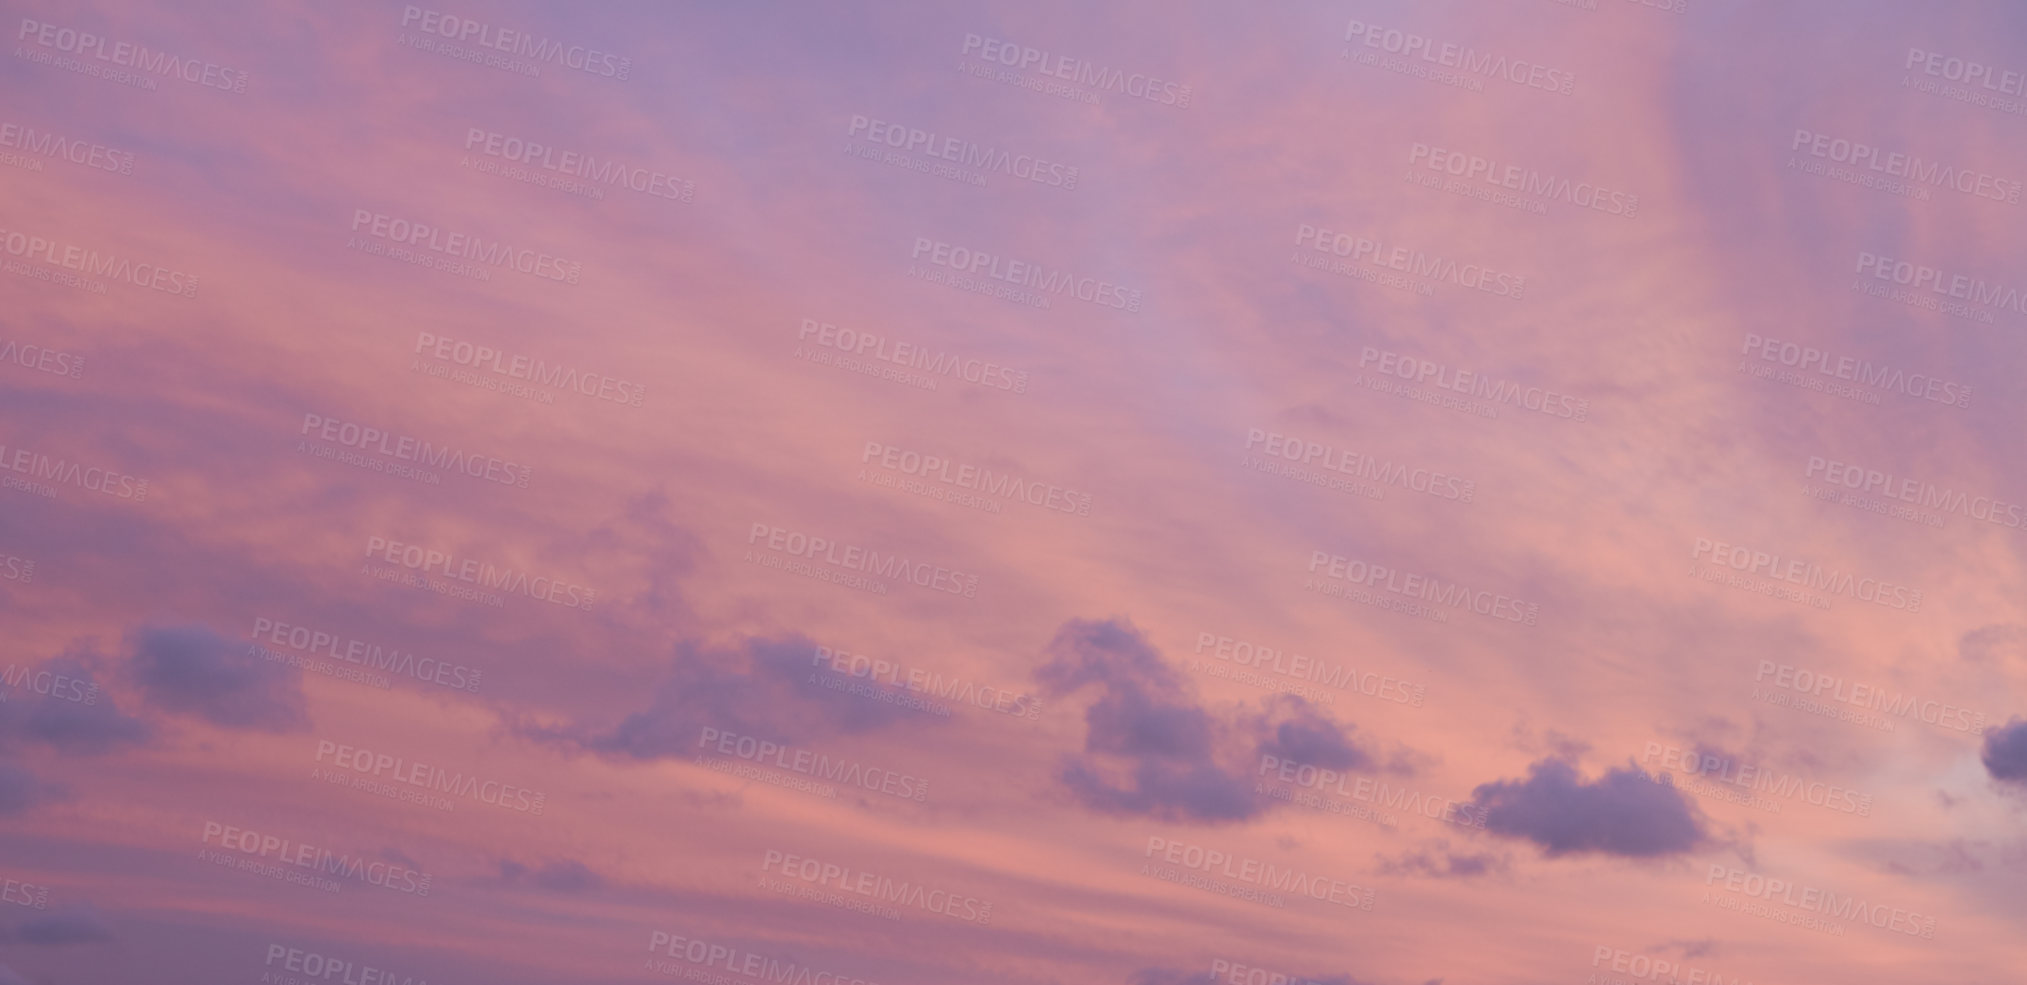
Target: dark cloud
pixel 1165 791
pixel 1149 749
pixel 1152 750
pixel 2006 752
pixel 193 671
pixel 59 704
pixel 767 687
pixel 562 875
pixel 1170 976
pixel 1128 721
pixel 1621 813
pixel 1295 729
pixel 2001 644
pixel 20 789
pixel 75 925
pixel 1110 652
pixel 1437 861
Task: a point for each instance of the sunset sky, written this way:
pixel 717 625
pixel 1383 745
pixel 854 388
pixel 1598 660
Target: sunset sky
pixel 1368 493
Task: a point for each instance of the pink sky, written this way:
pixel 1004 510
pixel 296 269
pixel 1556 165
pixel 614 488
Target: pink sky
pixel 1316 474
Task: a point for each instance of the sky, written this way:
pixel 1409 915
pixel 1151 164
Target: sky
pixel 1367 493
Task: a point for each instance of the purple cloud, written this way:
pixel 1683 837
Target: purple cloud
pixel 2005 753
pixel 1621 813
pixel 192 670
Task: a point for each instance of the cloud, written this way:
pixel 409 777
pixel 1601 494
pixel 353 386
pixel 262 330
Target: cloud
pixel 20 789
pixel 75 925
pixel 1439 862
pixel 1621 813
pixel 764 687
pixel 1295 729
pixel 1171 976
pixel 194 671
pixel 2000 643
pixel 562 875
pixel 1110 652
pixel 1165 791
pixel 2006 752
pixel 60 704
pixel 1150 749
pixel 1128 721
